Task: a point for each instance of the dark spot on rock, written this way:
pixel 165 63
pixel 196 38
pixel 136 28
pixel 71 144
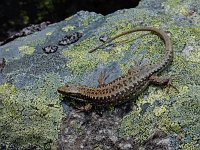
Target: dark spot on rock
pixel 2 64
pixel 103 38
pixel 50 49
pixel 71 38
pixel 144 107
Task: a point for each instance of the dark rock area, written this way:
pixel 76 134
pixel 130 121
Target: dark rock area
pixel 15 15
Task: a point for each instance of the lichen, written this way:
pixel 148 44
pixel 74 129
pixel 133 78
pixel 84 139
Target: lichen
pixel 68 28
pixel 82 61
pixel 30 115
pixel 86 21
pixel 189 146
pixel 26 50
pixel 158 111
pixel 48 33
pixel 180 7
pixel 68 18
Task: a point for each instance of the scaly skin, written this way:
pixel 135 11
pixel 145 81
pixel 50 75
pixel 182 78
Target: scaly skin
pixel 125 87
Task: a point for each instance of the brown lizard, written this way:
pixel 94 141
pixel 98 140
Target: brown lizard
pixel 125 87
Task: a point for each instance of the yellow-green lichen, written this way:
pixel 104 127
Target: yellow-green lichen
pixel 97 148
pixel 86 21
pixel 26 50
pixel 31 115
pixel 69 18
pixel 81 60
pixel 48 33
pixel 158 111
pixel 68 28
pixel 184 11
pixel 7 89
pixel 190 146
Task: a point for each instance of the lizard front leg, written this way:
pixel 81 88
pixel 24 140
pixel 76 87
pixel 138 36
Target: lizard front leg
pixel 102 78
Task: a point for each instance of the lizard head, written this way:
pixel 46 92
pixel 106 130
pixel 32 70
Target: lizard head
pixel 69 89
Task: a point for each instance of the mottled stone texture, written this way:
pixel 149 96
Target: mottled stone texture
pixel 33 116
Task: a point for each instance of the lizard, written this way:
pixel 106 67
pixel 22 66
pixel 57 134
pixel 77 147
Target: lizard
pixel 127 86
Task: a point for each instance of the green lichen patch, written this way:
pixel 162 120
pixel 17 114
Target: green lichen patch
pixel 80 60
pixel 69 18
pixel 180 118
pixel 28 50
pixel 68 28
pixel 30 116
pixel 48 33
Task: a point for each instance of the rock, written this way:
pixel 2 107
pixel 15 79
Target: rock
pixel 31 110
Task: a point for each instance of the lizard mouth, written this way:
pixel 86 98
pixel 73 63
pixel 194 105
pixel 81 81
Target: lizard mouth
pixel 65 92
pixel 61 90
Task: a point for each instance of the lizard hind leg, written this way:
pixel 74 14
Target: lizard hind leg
pixel 134 70
pixel 162 80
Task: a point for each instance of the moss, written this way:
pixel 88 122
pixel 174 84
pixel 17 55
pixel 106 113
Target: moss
pixel 26 50
pixel 31 115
